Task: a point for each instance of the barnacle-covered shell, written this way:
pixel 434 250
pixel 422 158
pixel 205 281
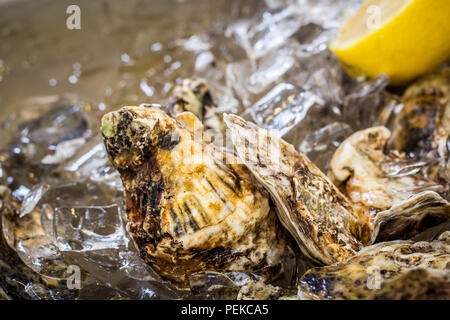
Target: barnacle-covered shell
pixel 388 270
pixel 400 204
pixel 314 211
pixel 191 207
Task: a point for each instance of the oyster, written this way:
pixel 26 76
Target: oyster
pixel 361 168
pixel 424 119
pixel 422 127
pixel 258 290
pixel 409 218
pixel 193 95
pixel 315 212
pixel 389 270
pixel 398 201
pixel 191 207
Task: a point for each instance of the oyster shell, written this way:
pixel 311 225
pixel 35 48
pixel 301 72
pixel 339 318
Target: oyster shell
pixel 357 168
pixel 395 201
pixel 258 290
pixel 191 207
pixel 193 95
pixel 409 218
pixel 422 127
pixel 389 270
pixel 315 212
pixel 424 119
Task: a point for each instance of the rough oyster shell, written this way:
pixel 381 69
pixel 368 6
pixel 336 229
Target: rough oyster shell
pixel 389 270
pixel 190 206
pixel 422 127
pixel 314 211
pixel 258 290
pixel 397 204
pixel 408 218
pixel 193 95
pixel 425 116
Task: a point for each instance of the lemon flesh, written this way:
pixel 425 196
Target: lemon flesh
pixel 401 38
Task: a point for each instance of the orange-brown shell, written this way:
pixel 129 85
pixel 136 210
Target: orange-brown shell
pixel 190 206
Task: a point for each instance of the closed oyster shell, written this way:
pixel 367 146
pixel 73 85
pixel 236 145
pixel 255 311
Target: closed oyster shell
pixel 315 212
pixel 190 206
pixel 397 205
pixel 389 270
pixel 424 119
pixel 422 127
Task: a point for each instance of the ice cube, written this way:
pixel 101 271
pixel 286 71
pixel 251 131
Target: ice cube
pixel 134 267
pixel 321 144
pixel 275 29
pixel 248 81
pixel 28 238
pixel 32 198
pixel 91 163
pixel 88 228
pixel 283 107
pixel 368 104
pixel 47 130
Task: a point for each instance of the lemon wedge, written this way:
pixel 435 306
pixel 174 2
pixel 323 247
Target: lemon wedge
pixel 401 38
